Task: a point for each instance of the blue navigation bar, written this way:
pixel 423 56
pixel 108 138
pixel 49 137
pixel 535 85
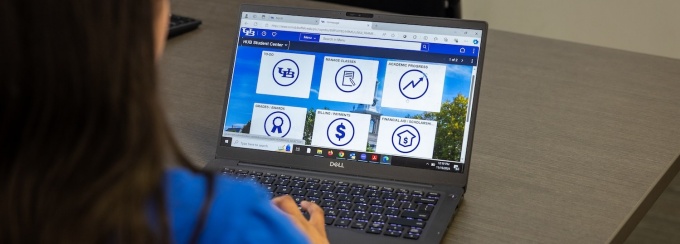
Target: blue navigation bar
pixel 438 48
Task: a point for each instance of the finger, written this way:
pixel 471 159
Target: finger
pixel 316 216
pixel 287 205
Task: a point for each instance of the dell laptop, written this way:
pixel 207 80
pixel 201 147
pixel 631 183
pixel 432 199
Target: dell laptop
pixel 371 116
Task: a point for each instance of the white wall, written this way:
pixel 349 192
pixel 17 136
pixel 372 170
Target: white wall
pixel 651 26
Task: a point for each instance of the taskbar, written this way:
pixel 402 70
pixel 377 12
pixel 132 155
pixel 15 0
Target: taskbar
pixel 377 158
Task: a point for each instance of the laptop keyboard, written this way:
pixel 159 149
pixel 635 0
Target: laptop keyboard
pixel 374 209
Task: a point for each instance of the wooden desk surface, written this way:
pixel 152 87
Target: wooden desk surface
pixel 573 142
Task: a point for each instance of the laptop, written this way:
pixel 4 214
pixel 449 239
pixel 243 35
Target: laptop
pixel 371 116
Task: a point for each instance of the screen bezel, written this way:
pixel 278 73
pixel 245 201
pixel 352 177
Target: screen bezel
pixel 426 176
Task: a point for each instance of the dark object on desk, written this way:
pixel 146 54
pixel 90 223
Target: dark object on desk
pixel 180 25
pixel 432 8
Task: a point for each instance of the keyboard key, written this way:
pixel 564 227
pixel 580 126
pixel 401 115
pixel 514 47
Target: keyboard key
pixel 392 204
pixel 360 208
pixel 282 182
pixel 425 200
pixel 395 228
pixel 387 189
pixel 362 216
pixel 360 200
pixel 415 230
pixel 331 212
pixel 312 186
pixel 298 192
pixel 402 191
pixel 377 202
pixel 406 222
pixel 329 204
pixel 242 171
pixel 409 206
pixel 327 188
pixel 314 180
pixel 282 190
pixel 344 198
pixel 355 185
pixel 342 190
pixel 379 218
pixel 346 214
pixel 358 192
pixel 297 184
pixel 359 225
pixel 412 236
pixel 415 215
pixel 314 194
pixel 373 194
pixel 393 233
pixel 405 198
pixel 432 195
pixel 257 173
pixel 392 212
pixel 372 187
pixel 329 220
pixel 270 175
pixel 342 222
pixel 330 196
pixel 376 210
pixel 282 176
pixel 299 178
pixel 328 182
pixel 344 206
pixel 389 196
pixel 377 225
pixel 298 199
pixel 268 180
pixel 374 230
pixel 342 183
pixel 314 200
pixel 426 208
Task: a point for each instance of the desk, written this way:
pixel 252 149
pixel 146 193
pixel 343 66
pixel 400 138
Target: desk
pixel 573 142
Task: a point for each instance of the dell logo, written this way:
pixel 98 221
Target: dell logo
pixel 337 164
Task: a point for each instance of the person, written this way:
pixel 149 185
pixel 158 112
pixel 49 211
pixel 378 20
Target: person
pixel 86 153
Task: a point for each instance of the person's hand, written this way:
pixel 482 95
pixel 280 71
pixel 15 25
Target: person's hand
pixel 314 228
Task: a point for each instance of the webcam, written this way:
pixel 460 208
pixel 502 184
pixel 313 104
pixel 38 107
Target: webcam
pixel 360 15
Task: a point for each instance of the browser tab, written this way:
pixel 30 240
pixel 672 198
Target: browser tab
pixel 350 24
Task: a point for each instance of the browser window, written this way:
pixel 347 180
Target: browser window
pixel 372 92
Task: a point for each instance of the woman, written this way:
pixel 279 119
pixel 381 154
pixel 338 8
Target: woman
pixel 84 146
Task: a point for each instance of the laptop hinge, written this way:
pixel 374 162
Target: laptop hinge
pixel 302 171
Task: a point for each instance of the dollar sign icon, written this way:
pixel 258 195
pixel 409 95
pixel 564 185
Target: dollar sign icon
pixel 341 131
pixel 405 140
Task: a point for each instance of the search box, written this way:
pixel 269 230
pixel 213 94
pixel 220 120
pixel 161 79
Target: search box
pixel 367 42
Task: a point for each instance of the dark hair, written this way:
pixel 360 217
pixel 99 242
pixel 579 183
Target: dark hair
pixel 83 139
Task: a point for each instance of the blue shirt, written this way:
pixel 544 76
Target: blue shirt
pixel 240 212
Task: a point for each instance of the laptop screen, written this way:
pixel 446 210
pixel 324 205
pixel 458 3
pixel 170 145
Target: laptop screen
pixel 364 91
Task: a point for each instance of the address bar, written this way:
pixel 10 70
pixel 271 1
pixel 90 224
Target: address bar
pixel 327 35
pixel 314 29
pixel 368 42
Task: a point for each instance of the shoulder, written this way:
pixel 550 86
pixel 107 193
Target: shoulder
pixel 240 212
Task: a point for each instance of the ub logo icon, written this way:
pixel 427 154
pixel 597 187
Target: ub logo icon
pixel 285 74
pixel 248 31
